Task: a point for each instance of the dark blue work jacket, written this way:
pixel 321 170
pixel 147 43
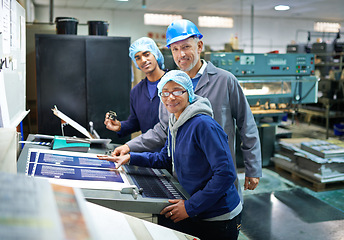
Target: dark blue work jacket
pixel 203 164
pixel 144 111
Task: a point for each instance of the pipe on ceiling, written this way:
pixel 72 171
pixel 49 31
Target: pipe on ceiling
pixel 51 11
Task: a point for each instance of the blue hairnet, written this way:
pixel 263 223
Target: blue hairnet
pixel 146 44
pixel 179 77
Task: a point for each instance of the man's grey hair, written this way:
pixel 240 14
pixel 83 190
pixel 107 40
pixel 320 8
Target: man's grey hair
pixel 196 39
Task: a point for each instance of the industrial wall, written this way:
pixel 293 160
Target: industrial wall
pixel 269 33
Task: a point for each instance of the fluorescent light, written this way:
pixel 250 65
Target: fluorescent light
pixel 215 21
pixel 160 19
pixel 122 0
pixel 326 27
pixel 282 8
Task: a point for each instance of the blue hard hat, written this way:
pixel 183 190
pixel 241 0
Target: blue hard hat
pixel 180 30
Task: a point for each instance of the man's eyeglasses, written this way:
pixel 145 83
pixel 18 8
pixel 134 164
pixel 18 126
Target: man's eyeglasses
pixel 174 93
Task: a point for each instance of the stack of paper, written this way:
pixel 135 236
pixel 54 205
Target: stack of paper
pixel 320 160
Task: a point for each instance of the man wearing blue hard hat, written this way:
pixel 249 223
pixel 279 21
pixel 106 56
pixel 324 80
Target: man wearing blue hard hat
pixel 223 90
pixel 144 100
pixel 225 94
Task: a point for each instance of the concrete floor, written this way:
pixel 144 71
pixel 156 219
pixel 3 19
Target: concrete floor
pixel 309 218
pixel 314 215
pixel 271 183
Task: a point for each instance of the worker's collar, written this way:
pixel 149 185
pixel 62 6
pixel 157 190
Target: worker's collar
pixel 201 70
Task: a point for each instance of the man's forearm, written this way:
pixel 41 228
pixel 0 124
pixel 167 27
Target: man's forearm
pixel 152 140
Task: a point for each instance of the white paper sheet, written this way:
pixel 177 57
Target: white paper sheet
pixel 110 224
pixel 71 122
pixel 115 225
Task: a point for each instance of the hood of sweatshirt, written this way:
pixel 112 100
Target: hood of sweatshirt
pixel 200 105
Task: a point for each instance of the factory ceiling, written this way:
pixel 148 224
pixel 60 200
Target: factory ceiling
pixel 321 10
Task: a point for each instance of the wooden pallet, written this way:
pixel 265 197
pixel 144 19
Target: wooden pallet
pixel 307 181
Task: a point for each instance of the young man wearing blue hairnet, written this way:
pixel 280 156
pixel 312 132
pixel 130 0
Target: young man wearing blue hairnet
pixel 223 90
pixel 198 151
pixel 144 101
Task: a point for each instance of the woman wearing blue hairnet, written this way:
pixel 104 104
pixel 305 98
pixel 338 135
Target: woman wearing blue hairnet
pixel 197 150
pixel 144 100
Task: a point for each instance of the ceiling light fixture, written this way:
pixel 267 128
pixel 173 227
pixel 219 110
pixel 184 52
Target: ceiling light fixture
pixel 282 8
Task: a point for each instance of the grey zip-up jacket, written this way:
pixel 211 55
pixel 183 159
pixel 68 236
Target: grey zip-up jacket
pixel 199 106
pixel 230 108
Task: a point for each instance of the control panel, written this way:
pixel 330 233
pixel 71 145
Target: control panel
pixel 243 64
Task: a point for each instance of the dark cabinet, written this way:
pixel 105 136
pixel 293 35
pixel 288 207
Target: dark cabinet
pixel 84 76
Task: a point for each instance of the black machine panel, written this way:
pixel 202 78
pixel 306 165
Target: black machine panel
pixel 61 82
pixel 153 182
pixel 108 81
pixel 84 76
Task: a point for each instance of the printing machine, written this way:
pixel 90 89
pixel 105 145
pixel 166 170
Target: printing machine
pixel 269 80
pixel 274 78
pixel 148 192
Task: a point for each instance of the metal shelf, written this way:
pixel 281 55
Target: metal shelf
pixel 323 111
